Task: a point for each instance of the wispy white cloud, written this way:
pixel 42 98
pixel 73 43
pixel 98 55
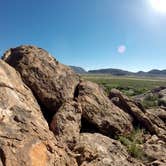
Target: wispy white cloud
pixel 121 49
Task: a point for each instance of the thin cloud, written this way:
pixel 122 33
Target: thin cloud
pixel 121 49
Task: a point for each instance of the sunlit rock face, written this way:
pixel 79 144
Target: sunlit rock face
pixel 66 123
pixel 100 111
pixel 151 121
pixel 51 82
pixel 99 150
pixel 25 139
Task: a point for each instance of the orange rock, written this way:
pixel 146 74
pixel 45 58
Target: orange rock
pixel 38 155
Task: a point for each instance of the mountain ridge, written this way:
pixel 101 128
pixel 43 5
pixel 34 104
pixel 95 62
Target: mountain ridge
pixel 121 72
pixel 79 70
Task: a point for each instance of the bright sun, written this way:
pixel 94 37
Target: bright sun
pixel 159 5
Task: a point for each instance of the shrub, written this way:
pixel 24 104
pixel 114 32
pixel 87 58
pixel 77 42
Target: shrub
pixel 136 151
pixel 150 101
pixel 133 141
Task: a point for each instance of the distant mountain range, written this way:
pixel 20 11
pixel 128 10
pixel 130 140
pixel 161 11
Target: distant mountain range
pixel 78 70
pixel 119 72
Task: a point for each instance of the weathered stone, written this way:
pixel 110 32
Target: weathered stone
pixel 127 104
pixel 145 118
pixel 155 150
pixel 25 139
pixel 159 112
pixel 158 123
pixel 51 82
pixel 157 94
pixel 66 123
pixel 99 150
pixel 100 111
pixel 162 97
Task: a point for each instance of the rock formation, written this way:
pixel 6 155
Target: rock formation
pixel 66 123
pixel 25 138
pixel 146 118
pixel 100 111
pixel 70 121
pixel 155 149
pixel 157 94
pixel 51 82
pixel 99 150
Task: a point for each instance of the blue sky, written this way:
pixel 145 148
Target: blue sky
pixel 88 33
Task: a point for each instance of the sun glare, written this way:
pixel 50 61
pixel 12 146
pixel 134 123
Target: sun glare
pixel 159 5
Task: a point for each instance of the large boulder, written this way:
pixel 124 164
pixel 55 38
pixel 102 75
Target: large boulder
pixel 101 112
pixel 25 139
pixel 98 150
pixel 66 123
pixel 51 82
pixel 143 117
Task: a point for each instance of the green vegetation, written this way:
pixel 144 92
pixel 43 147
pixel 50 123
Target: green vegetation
pixel 130 86
pixel 151 101
pixel 133 142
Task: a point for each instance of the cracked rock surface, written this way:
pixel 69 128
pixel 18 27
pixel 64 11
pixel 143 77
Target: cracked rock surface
pixel 51 82
pixel 25 139
pixel 101 112
pixel 99 150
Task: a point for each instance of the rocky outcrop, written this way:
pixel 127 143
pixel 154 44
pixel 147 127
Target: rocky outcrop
pixel 98 150
pixel 155 150
pixel 159 112
pixel 66 123
pixel 158 123
pixel 85 122
pixel 25 139
pixel 156 95
pixel 51 82
pixel 142 117
pixel 98 110
pixel 54 83
pixel 162 97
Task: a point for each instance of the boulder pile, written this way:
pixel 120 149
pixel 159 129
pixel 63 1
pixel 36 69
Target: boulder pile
pixel 50 116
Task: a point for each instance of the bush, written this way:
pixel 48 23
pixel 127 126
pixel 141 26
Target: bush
pixel 133 141
pixel 124 140
pixel 136 151
pixel 150 101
